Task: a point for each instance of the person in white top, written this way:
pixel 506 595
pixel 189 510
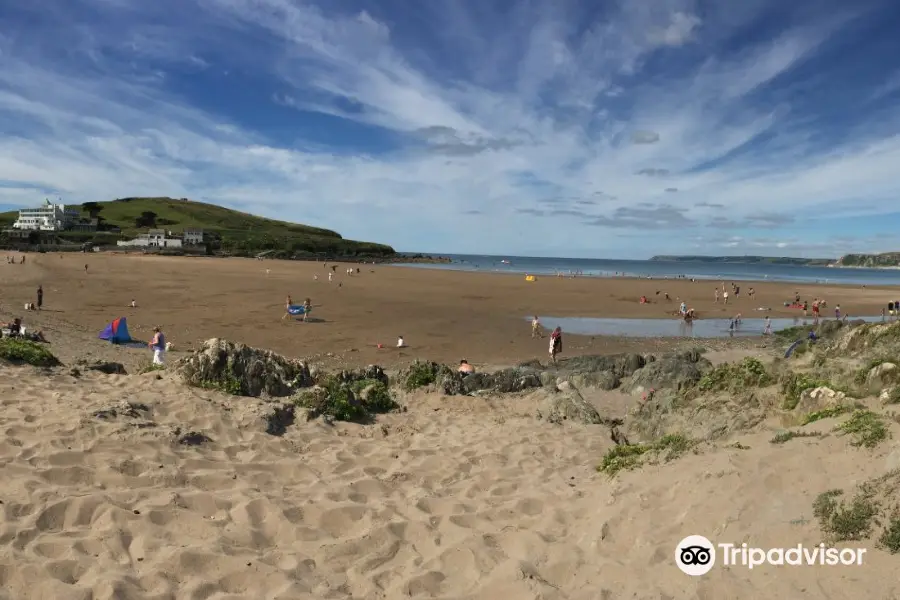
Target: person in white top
pixel 725 297
pixel 400 342
pixel 536 327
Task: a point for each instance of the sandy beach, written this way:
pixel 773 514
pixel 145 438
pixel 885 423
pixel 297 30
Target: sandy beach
pixel 456 497
pixel 443 315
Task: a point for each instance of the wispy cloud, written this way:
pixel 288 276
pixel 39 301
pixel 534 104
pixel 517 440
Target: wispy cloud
pixel 458 125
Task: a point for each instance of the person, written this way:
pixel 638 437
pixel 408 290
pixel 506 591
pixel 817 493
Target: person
pixel 555 343
pixel 85 268
pixel 40 297
pixel 401 343
pixel 158 345
pixel 133 303
pixel 287 307
pixel 536 327
pixel 837 311
pixel 307 307
pixel 768 329
pixel 465 367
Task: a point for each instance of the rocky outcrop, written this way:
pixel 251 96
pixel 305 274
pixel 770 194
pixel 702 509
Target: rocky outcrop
pixel 372 372
pixel 603 372
pixel 886 372
pixel 676 370
pixel 819 398
pixel 242 370
pixel 569 405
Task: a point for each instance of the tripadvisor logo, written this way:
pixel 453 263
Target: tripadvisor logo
pixel 695 555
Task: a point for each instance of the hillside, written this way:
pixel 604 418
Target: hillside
pixel 885 259
pixel 771 260
pixel 230 230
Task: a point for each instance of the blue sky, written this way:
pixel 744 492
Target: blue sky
pixel 569 128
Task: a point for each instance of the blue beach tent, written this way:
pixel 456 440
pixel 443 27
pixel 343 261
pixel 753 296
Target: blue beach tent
pixel 116 332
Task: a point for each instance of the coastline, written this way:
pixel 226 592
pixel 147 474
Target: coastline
pixel 444 314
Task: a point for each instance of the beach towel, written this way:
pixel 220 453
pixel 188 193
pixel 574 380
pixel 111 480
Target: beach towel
pixel 296 309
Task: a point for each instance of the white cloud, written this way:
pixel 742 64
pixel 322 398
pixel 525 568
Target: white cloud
pixel 545 120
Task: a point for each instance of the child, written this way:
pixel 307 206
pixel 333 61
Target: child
pixel 536 327
pixel 400 342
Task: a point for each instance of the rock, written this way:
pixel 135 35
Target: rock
pixel 373 372
pixel 191 438
pixel 677 371
pixel 279 418
pixel 619 366
pixel 570 406
pixel 883 373
pixel 242 370
pixel 130 410
pixel 818 398
pixel 102 366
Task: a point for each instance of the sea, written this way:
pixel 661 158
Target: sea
pixel 595 267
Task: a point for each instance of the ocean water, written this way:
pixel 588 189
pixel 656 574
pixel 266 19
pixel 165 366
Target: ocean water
pixel 666 270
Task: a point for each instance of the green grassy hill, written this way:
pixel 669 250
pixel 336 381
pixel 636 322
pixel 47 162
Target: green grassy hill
pixel 885 259
pixel 230 230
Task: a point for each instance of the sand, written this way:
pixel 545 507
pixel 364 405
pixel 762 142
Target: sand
pixel 457 498
pixel 461 498
pixel 443 315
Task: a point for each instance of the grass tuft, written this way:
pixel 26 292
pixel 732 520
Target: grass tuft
pixel 629 456
pixel 19 351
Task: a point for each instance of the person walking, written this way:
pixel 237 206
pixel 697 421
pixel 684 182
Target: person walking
pixel 158 345
pixel 40 297
pixel 555 343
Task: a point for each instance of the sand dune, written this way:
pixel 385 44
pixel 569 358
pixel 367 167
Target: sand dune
pixel 456 498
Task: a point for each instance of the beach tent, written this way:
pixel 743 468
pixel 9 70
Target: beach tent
pixel 116 332
pixel 296 309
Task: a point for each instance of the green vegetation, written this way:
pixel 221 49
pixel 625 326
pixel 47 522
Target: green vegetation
pixel 353 401
pixel 794 384
pixel 630 456
pixel 19 351
pixel 786 436
pixel 791 334
pixel 228 230
pixel 841 522
pixel 867 428
pixel 827 413
pixel 735 377
pixel 768 260
pixel 421 374
pixel 874 505
pixel 890 537
pixel 893 396
pixel 228 384
pixel 886 259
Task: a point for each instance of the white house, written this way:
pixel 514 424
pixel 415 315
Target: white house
pixel 49 217
pixel 193 236
pixel 154 238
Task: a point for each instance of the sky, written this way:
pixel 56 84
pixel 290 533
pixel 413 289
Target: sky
pixel 592 128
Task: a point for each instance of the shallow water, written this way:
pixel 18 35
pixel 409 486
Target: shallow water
pixel 700 328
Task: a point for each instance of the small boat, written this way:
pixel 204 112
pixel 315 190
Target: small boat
pixel 505 262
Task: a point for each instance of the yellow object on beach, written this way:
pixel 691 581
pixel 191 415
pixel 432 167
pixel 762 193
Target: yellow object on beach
pixel 530 278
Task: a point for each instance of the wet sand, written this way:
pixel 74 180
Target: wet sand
pixel 443 315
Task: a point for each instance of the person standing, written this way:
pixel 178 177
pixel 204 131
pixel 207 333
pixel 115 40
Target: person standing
pixel 40 297
pixel 555 343
pixel 158 345
pixel 536 327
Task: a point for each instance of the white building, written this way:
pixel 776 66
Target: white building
pixel 154 238
pixel 192 236
pixel 49 217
